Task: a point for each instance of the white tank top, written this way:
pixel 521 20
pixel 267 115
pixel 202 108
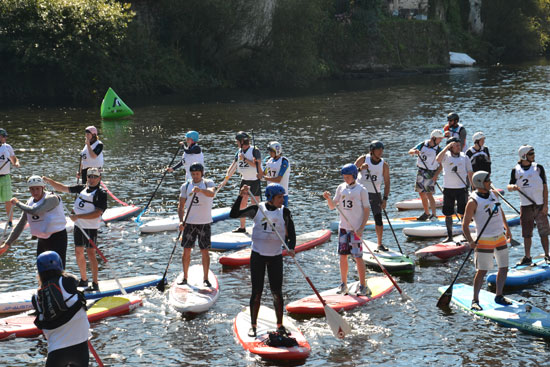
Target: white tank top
pixel 530 183
pixel 84 204
pixel 495 226
pixel 188 160
pixel 377 173
pixel 43 225
pixel 450 178
pixel 201 212
pixel 6 151
pixel 264 239
pixel 247 171
pixel 352 200
pixel 88 161
pixel 272 168
pixel 427 155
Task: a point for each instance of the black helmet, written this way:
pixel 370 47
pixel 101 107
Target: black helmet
pixel 196 167
pixel 454 139
pixel 3 132
pixel 452 116
pixel 241 135
pixel 376 144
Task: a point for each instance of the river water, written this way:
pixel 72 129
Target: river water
pixel 320 130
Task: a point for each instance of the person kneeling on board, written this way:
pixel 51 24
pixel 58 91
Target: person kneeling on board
pixel 61 313
pixel 267 248
pixel 493 242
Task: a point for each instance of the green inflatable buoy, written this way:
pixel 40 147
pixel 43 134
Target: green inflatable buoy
pixel 112 107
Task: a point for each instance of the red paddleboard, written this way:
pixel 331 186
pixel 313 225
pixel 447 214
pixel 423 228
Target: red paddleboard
pixel 442 251
pixel 120 213
pixel 266 322
pixel 303 242
pixel 311 305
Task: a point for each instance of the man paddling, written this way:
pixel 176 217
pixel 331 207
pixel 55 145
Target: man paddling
pixel 199 191
pixel 88 207
pixel 248 163
pixel 46 217
pixel 457 170
pixel 373 170
pixel 529 179
pixel 91 155
pixel 7 158
pixel 353 199
pixel 493 243
pixel 277 168
pixel 266 248
pixel 479 154
pixel 192 153
pixel 453 129
pixel 427 172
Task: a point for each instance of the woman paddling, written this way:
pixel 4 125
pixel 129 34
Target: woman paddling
pixel 266 249
pixel 61 313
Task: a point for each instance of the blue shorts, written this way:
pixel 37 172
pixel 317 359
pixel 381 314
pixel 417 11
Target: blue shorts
pixel 349 243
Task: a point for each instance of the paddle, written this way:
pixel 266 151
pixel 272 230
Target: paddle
pixel 122 290
pixel 503 199
pixel 112 195
pixel 5 247
pixel 6 162
pixel 385 213
pixel 138 219
pixel 445 299
pixel 160 285
pixel 337 324
pixel 426 166
pixel 528 198
pixel 404 297
pixel 94 353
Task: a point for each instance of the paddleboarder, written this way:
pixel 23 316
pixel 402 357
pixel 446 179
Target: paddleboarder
pixel 91 155
pixel 7 158
pixel 192 153
pixel 200 191
pixel 277 168
pixel 428 170
pixel 353 199
pixel 88 207
pixel 457 170
pixel 453 129
pixel 373 170
pixel 267 251
pixel 529 179
pixel 248 162
pixel 61 313
pixel 479 154
pixel 46 217
pixel 493 241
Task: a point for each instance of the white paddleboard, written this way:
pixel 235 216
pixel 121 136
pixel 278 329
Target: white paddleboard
pixel 194 297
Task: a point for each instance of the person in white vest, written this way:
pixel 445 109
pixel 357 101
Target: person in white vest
pixel 427 172
pixel 7 158
pixel 267 248
pixel 192 153
pixel 373 171
pixel 457 172
pixel 45 215
pixel 353 200
pixel 453 129
pixel 529 178
pixel 482 209
pixel 88 207
pixel 277 168
pixel 197 225
pixel 479 154
pixel 248 162
pixel 91 155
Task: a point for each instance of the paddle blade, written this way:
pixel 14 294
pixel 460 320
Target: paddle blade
pixel 160 285
pixel 138 219
pixel 405 297
pixel 514 242
pixel 340 328
pixel 445 299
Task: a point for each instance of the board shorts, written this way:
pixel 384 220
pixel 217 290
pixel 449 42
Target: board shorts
pixel 529 215
pixel 424 180
pixel 81 241
pixel 193 231
pixel 5 188
pixel 452 196
pixel 255 187
pixel 483 257
pixel 349 243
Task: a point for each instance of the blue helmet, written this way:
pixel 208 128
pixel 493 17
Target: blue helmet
pixel 49 260
pixel 273 190
pixel 192 135
pixel 349 169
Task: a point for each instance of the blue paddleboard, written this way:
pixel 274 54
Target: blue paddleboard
pixel 524 275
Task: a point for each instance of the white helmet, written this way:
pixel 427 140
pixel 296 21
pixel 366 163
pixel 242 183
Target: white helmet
pixel 35 181
pixel 478 136
pixel 523 150
pixel 436 134
pixel 479 178
pixel 276 147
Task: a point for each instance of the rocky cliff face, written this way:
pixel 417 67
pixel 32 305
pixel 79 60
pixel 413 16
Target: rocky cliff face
pixel 474 19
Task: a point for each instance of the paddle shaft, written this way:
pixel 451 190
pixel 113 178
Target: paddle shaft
pixel 528 198
pixel 94 353
pixel 254 147
pixel 7 224
pixel 506 201
pixel 426 166
pixel 112 195
pixel 6 162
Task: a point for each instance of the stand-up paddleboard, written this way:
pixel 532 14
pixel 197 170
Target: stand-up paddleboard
pixel 443 251
pixel 172 223
pixel 523 275
pixel 112 107
pixel 267 322
pixel 22 326
pixel 194 297
pixel 311 305
pixel 412 204
pixel 231 241
pixel 120 213
pixel 393 261
pixel 522 316
pixel 20 301
pixel 303 242
pixel 398 223
pixel 440 230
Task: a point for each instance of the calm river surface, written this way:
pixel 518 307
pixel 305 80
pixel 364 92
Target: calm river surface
pixel 320 131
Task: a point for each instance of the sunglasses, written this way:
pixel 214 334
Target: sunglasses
pixel 93 176
pixel 531 153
